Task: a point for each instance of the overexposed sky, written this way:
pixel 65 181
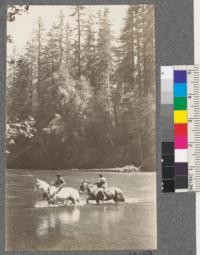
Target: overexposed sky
pixel 21 29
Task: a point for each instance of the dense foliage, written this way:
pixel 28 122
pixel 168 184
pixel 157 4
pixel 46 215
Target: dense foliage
pixel 81 98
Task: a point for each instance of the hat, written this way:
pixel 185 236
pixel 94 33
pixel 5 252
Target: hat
pixel 100 175
pixel 59 174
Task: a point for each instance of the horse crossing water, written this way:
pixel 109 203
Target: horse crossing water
pixel 52 225
pixel 64 195
pixel 101 194
pixel 70 194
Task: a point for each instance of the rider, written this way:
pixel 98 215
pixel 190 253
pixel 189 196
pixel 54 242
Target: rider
pixel 102 183
pixel 59 183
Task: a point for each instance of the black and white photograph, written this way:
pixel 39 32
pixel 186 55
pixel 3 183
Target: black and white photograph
pixel 80 128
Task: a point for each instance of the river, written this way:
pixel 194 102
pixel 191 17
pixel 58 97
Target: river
pixel 32 225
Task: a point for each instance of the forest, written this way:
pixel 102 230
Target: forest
pixel 80 97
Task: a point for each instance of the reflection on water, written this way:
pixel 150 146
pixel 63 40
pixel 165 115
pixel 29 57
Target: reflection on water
pixel 57 219
pixel 109 217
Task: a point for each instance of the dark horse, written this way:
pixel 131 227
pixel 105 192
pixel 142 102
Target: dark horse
pixel 97 194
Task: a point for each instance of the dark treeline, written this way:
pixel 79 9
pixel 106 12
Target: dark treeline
pixel 78 97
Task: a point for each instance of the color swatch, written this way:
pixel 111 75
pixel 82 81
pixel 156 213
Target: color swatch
pixel 180 129
pixel 167 116
pixel 180 124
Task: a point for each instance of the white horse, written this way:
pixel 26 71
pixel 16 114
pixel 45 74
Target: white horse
pixel 42 187
pixel 63 195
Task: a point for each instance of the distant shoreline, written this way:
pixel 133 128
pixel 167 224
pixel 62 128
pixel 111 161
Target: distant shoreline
pixel 108 170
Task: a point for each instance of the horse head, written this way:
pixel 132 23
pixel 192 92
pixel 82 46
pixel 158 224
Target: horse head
pixel 85 185
pixel 41 186
pixel 37 185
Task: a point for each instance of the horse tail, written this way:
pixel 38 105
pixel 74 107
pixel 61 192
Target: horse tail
pixel 122 198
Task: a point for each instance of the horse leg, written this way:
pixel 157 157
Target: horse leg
pixel 65 202
pixel 115 198
pixel 88 199
pixel 73 200
pixel 53 199
pixel 100 196
pixel 120 197
pixel 44 196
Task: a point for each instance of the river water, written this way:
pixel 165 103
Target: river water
pixel 32 225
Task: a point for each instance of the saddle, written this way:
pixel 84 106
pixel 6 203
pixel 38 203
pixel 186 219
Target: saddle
pixel 58 189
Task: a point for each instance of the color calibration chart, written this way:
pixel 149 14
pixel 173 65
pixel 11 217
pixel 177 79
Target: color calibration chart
pixel 180 124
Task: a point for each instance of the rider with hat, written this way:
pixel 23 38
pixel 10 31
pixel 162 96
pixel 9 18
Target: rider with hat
pixel 60 182
pixel 102 183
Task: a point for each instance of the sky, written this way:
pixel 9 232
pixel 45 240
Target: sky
pixel 21 29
